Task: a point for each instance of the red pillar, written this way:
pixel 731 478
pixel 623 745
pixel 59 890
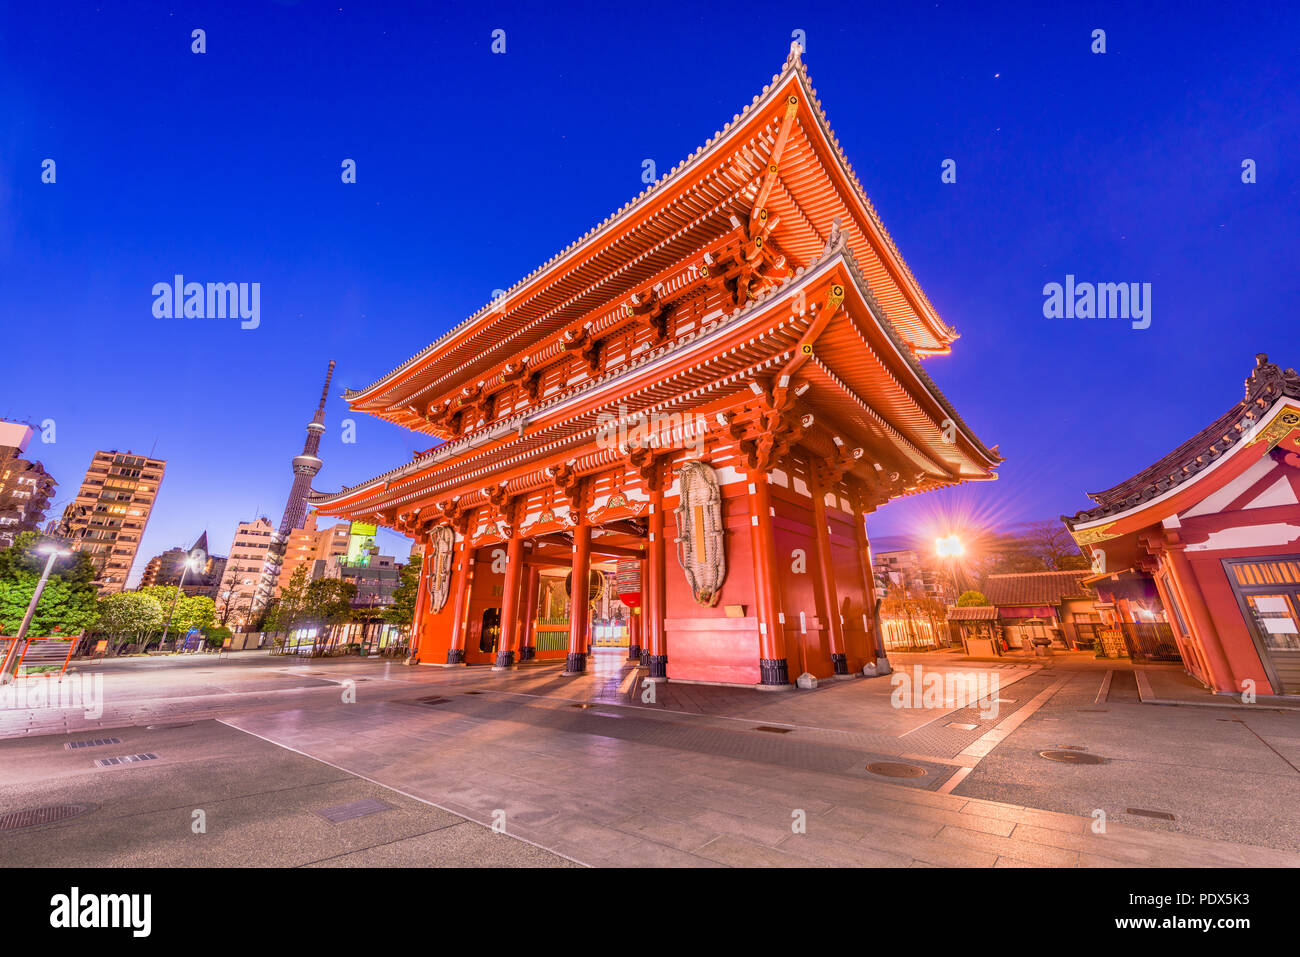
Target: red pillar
pixel 774 670
pixel 874 650
pixel 527 640
pixel 1220 674
pixel 635 620
pixel 511 617
pixel 579 609
pixel 826 575
pixel 462 574
pixel 653 603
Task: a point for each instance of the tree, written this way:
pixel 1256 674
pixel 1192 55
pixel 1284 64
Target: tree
pixel 329 601
pixel 128 614
pixel 189 611
pixel 69 603
pixel 405 595
pixel 287 610
pixel 972 597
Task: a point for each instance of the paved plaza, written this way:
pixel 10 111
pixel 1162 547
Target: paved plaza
pixel 343 762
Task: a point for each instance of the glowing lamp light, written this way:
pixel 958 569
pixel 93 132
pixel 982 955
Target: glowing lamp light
pixel 949 547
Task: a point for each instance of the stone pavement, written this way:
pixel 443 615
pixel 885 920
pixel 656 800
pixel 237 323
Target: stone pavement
pixel 704 776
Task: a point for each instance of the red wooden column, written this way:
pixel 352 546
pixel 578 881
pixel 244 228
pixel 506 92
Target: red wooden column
pixel 510 610
pixel 635 620
pixel 579 609
pixel 462 574
pixel 774 670
pixel 653 603
pixel 527 640
pixel 874 650
pixel 421 602
pixel 826 574
pixel 1202 623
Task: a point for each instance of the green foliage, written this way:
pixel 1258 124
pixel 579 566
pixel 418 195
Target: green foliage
pixel 291 607
pixel 129 614
pixel 329 601
pixel 190 611
pixel 405 595
pixel 69 603
pixel 216 635
pixel 969 598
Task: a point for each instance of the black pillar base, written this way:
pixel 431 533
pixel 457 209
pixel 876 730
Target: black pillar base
pixel 575 664
pixel 841 663
pixel 658 665
pixel 505 658
pixel 527 653
pixel 455 656
pixel 773 671
pixel 634 653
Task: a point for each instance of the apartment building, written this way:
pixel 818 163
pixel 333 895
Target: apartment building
pixel 25 486
pixel 311 544
pixel 243 570
pixel 108 517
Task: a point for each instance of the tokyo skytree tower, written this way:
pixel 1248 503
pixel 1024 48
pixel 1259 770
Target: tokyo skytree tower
pixel 305 467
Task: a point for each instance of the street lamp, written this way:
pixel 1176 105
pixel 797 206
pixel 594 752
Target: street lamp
pixel 190 562
pixel 53 551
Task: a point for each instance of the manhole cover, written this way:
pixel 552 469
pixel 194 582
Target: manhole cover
pixel 893 769
pixel 772 730
pixel 431 701
pixel 346 812
pixel 1143 812
pixel 1072 757
pixel 96 743
pixel 36 816
pixel 168 727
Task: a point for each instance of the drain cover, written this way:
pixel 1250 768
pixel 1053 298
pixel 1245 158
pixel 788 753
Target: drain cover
pixel 36 816
pixel 168 727
pixel 1072 757
pixel 894 769
pixel 769 728
pixel 125 759
pixel 1143 812
pixel 431 701
pixel 96 743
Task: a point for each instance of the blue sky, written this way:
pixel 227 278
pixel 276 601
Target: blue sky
pixel 474 168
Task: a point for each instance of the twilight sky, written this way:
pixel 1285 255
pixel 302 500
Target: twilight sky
pixel 473 168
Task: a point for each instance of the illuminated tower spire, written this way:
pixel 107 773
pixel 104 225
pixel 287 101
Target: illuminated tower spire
pixel 305 467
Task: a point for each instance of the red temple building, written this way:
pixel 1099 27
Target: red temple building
pixel 694 407
pixel 1204 546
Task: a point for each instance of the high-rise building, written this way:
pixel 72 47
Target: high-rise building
pixel 310 544
pixel 108 517
pixel 25 486
pixel 248 550
pixel 305 467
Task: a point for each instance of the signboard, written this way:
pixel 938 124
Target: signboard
pixel 1112 643
pixel 361 544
